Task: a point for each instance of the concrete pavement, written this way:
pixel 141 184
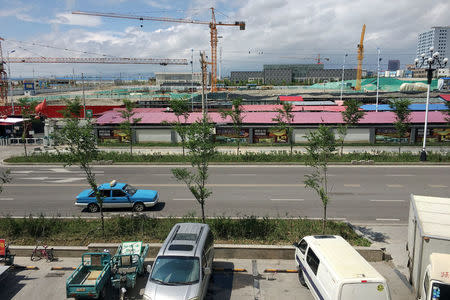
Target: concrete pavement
pixel 252 284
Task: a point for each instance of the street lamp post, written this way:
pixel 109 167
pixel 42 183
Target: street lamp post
pixel 10 83
pixel 378 75
pixel 343 68
pixel 432 61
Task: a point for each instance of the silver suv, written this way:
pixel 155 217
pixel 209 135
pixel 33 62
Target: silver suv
pixel 183 265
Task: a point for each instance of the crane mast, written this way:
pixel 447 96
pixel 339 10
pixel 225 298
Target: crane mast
pixel 360 59
pixel 212 25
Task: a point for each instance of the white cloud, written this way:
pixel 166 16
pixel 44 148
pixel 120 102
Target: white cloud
pixel 158 4
pixel 80 20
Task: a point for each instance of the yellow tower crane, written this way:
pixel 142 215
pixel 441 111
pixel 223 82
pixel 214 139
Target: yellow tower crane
pixel 360 59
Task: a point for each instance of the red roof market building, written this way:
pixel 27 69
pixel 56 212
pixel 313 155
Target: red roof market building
pixel 290 98
pixel 259 124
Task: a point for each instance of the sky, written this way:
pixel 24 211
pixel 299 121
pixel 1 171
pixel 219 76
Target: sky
pixel 277 31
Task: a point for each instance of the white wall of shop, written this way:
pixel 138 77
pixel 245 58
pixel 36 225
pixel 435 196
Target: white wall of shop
pixel 353 135
pixel 153 135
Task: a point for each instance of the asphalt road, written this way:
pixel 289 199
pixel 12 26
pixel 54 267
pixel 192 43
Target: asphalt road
pixel 359 194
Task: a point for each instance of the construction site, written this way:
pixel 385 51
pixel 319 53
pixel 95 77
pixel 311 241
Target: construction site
pixel 321 90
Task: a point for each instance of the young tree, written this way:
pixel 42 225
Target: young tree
pixel 202 148
pixel 446 112
pixel 81 149
pixel 28 113
pixel 236 116
pixel 180 108
pixel 128 121
pixel 284 121
pixel 402 118
pixel 321 145
pixel 351 116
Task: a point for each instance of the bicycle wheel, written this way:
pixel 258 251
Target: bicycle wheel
pixel 50 256
pixel 36 255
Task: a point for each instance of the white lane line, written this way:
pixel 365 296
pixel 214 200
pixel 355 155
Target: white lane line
pixel 382 219
pixel 399 175
pixel 183 199
pixel 437 186
pixel 395 185
pixel 237 174
pixel 352 185
pixel 21 172
pixel 387 200
pixel 6 199
pixel 283 199
pixel 338 219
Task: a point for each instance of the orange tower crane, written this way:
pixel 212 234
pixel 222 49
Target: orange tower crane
pixel 360 59
pixel 212 25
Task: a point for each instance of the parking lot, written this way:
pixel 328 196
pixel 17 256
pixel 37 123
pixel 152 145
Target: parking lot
pixel 253 283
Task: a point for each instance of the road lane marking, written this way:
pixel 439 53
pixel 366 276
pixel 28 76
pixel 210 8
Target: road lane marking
pixel 260 185
pixel 395 185
pixel 399 175
pixel 382 200
pixel 280 199
pixel 21 172
pixel 184 199
pixel 382 219
pixel 352 185
pixel 237 174
pixel 437 186
pixel 6 199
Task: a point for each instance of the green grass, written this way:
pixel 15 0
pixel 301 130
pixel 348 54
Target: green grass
pixel 231 157
pixel 244 230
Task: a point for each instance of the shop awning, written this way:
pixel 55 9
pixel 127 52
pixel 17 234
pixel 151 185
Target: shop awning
pixel 10 121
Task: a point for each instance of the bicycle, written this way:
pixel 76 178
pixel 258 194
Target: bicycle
pixel 38 254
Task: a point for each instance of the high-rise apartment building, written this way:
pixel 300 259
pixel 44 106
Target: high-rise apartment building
pixel 393 65
pixel 437 37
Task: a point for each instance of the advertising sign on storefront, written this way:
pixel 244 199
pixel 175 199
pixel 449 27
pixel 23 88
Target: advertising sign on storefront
pixel 269 136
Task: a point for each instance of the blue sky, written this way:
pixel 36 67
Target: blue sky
pixel 278 31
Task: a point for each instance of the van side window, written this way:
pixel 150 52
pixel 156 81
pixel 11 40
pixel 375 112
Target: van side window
pixel 302 246
pixel 313 261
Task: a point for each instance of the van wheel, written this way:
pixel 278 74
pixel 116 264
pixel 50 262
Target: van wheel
pixel 301 278
pixel 93 208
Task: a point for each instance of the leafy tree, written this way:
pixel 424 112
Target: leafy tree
pixel 236 116
pixel 128 121
pixel 180 108
pixel 351 116
pixel 81 149
pixel 202 148
pixel 284 121
pixel 320 148
pixel 4 178
pixel 402 118
pixel 28 113
pixel 73 108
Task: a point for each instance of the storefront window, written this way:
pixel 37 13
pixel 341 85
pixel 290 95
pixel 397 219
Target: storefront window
pixel 269 136
pixel 434 135
pixel 228 135
pixel 389 135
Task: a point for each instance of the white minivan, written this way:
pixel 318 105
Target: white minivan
pixel 333 270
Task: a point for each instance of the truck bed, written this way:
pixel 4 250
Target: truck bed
pixel 86 276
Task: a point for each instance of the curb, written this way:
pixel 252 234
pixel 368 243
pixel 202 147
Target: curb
pixel 222 251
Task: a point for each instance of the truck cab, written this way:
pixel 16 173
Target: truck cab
pixel 436 282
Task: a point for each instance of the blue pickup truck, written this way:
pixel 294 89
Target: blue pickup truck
pixel 120 195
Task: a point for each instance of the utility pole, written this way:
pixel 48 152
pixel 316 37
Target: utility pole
pixel 343 68
pixel 84 99
pixel 203 63
pixel 192 79
pixel 378 76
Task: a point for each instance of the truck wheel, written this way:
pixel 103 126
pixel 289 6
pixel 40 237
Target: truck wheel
pixel 93 208
pixel 138 207
pixel 301 278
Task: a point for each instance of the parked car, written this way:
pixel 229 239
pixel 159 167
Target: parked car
pixel 333 270
pixel 116 194
pixel 183 265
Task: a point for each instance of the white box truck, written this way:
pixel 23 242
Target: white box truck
pixel 429 247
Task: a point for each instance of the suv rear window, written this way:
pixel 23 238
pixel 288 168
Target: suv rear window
pixel 302 246
pixel 313 261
